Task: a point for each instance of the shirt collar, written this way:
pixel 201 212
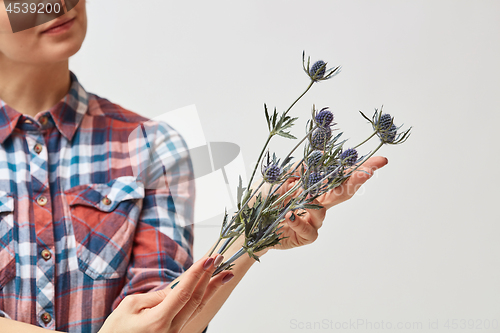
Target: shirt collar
pixel 67 114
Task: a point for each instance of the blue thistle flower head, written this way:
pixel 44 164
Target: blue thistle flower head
pixel 271 173
pixel 332 168
pixel 320 137
pixel 314 158
pixel 324 118
pixel 387 131
pixel 318 69
pixel 349 156
pixel 314 178
pixel 389 136
pixel 385 122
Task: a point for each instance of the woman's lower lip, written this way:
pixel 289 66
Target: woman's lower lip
pixel 60 29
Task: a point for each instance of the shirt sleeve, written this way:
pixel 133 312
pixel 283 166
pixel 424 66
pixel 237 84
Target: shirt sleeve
pixel 163 242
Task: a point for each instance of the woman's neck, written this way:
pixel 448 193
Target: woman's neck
pixel 31 89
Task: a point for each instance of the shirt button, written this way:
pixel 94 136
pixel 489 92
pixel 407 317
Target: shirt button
pixel 42 201
pixel 106 201
pixel 46 255
pixel 38 148
pixel 43 120
pixel 46 317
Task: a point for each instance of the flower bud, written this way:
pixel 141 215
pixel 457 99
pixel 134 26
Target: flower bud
pixel 317 71
pixel 324 118
pixel 320 137
pixel 272 173
pixel 385 122
pixel 349 156
pixel 390 135
pixel 314 177
pixel 314 158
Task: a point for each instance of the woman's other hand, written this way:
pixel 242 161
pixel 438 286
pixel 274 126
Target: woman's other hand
pixel 170 309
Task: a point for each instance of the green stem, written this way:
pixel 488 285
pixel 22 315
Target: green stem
pixel 286 195
pixel 298 144
pixel 291 106
pixel 216 244
pixel 246 202
pixel 223 247
pixel 263 205
pixel 283 182
pixel 373 152
pixel 231 243
pixel 258 160
pixel 272 133
pixel 230 240
pixel 371 136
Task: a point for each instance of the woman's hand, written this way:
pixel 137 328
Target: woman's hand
pixel 168 310
pixel 302 230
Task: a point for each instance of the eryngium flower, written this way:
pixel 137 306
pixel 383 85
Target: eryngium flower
pixel 389 135
pixel 320 137
pixel 349 156
pixel 332 171
pixel 272 173
pixel 318 69
pixel 314 158
pixel 385 122
pixel 314 177
pixel 324 118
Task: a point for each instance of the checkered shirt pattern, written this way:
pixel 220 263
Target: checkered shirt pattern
pixel 96 203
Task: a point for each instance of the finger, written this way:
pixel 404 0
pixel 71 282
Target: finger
pixel 137 302
pixel 178 297
pixel 213 286
pixel 365 172
pixel 305 233
pixel 153 298
pixel 198 293
pixel 353 183
pixel 315 217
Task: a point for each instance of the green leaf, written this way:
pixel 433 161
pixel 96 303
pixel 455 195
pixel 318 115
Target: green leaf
pixel 365 116
pixel 312 206
pixel 239 192
pixel 286 135
pixel 267 117
pixel 288 123
pixel 231 234
pixel 280 122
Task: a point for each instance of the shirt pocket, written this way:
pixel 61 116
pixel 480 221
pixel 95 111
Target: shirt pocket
pixel 104 218
pixel 7 254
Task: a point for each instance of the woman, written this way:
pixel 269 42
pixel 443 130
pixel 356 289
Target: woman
pixel 86 243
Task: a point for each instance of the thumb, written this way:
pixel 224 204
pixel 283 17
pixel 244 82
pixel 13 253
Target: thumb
pixel 149 299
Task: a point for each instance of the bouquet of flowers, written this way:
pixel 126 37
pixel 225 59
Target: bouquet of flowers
pixel 324 165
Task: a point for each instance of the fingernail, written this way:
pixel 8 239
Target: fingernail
pixel 218 260
pixel 386 160
pixel 227 278
pixel 208 263
pixel 292 217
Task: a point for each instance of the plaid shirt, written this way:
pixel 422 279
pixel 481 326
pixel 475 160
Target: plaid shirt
pixel 87 212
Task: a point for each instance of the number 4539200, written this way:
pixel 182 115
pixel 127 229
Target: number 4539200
pixel 32 8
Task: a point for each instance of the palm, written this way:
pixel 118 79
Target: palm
pixel 304 229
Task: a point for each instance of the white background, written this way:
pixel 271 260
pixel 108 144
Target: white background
pixel 420 242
